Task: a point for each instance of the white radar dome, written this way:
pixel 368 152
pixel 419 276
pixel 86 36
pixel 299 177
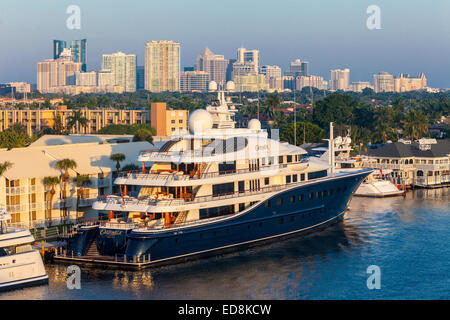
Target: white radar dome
pixel 200 121
pixel 212 86
pixel 254 124
pixel 230 86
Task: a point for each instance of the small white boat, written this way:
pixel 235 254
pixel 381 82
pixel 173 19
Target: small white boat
pixel 20 264
pixel 375 186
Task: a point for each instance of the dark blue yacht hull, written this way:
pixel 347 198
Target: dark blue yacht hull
pixel 299 209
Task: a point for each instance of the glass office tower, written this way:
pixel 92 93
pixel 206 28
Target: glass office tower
pixel 78 48
pixel 58 47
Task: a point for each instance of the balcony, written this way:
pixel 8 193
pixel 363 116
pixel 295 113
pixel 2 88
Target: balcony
pixel 25 207
pixel 13 191
pixel 103 183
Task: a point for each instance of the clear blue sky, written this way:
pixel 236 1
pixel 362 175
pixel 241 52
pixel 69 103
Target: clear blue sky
pixel 328 33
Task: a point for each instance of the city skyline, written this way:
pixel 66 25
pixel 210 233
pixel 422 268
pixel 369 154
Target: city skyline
pixel 314 37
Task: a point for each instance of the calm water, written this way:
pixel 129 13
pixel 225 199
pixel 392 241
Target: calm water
pixel 408 238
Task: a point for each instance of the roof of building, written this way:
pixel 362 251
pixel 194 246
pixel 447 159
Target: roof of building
pixel 91 158
pixel 402 150
pixel 54 140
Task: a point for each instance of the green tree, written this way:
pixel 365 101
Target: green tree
pixel 81 182
pixel 415 124
pixel 75 120
pixel 143 135
pixel 65 165
pixel 118 157
pixel 14 137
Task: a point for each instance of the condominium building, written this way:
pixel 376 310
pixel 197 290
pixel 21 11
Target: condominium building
pixel 339 79
pixel 105 78
pixel 248 57
pixel 251 83
pixel 86 78
pixel 162 66
pixel 167 122
pixel 58 47
pixel 78 49
pixel 38 119
pixel 140 77
pixel 273 76
pixel 214 64
pixel 56 72
pixel 309 81
pixel 194 81
pixel 32 203
pixel 359 86
pixel 383 82
pixel 405 83
pixel 123 68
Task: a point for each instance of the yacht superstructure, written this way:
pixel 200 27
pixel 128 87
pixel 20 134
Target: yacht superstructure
pixel 20 264
pixel 220 187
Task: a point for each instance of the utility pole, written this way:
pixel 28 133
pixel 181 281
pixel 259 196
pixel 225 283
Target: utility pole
pixel 295 121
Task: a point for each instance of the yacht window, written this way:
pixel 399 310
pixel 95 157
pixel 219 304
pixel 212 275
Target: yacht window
pixel 280 159
pixel 266 181
pixel 311 195
pixel 271 160
pixel 288 179
pixel 222 189
pixel 292 199
pixel 317 174
pixel 280 201
pixel 288 158
pixel 294 178
pixel 302 177
pixel 267 203
pixel 300 197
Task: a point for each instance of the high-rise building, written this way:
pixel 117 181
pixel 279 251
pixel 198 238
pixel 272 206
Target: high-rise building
pixel 248 57
pixel 78 48
pixel 140 77
pixel 56 72
pixel 273 76
pixel 162 66
pixel 58 47
pixel 383 82
pixel 214 64
pixel 86 78
pixel 194 81
pixel 405 83
pixel 123 67
pixel 309 81
pixel 339 79
pixel 359 86
pixel 298 68
pixel 105 78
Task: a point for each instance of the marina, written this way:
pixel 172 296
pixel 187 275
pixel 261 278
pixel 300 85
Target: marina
pixel 330 264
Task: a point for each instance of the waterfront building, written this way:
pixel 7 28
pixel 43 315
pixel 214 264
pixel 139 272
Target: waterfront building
pixel 404 83
pixel 251 83
pixel 383 82
pixel 26 197
pixel 298 68
pixel 162 66
pixel 273 77
pixel 167 122
pixel 359 86
pixel 309 81
pixel 214 64
pixel 37 119
pixel 339 79
pixel 422 163
pixel 59 72
pixel 194 81
pixel 123 67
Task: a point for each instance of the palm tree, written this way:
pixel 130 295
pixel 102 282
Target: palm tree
pixel 415 124
pixel 75 120
pixel 5 166
pixel 81 181
pixel 273 101
pixel 118 157
pixel 65 165
pixel 50 183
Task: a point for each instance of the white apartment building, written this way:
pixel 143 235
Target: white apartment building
pixel 383 82
pixel 339 79
pixel 273 76
pixel 214 64
pixel 359 86
pixel 162 66
pixel 309 81
pixel 123 68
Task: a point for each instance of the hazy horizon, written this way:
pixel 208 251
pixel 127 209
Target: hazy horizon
pixel 328 34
